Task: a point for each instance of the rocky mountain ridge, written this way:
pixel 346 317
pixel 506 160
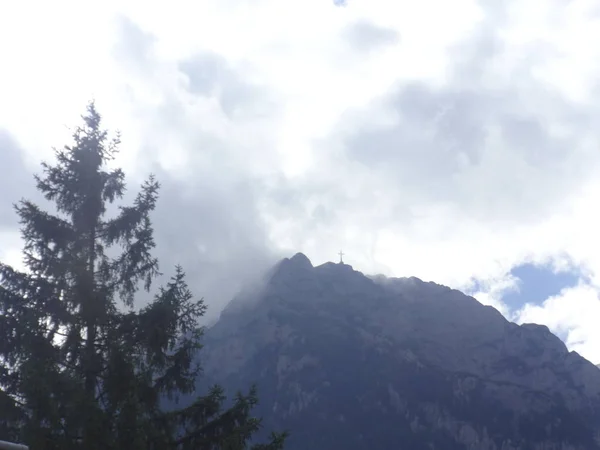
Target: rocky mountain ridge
pixel 347 361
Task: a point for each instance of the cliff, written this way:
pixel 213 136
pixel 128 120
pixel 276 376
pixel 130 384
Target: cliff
pixel 346 361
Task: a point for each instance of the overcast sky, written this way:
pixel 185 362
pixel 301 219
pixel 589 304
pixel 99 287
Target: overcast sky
pixel 454 141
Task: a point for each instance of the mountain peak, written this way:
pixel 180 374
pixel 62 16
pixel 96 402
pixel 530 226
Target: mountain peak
pixel 377 361
pixel 301 260
pixel 336 266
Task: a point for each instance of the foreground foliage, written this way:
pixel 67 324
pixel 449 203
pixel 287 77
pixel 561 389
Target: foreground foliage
pixel 80 367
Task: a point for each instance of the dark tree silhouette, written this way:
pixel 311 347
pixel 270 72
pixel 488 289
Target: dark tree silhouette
pixel 78 370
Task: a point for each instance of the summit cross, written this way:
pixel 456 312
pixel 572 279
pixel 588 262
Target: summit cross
pixel 341 253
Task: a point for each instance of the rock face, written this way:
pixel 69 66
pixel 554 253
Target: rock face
pixel 345 361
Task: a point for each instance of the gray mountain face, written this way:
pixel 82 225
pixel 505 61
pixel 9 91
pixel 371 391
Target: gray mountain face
pixel 345 361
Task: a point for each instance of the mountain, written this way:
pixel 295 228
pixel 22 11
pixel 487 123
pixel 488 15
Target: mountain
pixel 346 361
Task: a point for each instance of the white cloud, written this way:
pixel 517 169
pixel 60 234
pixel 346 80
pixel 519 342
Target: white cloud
pixel 573 315
pixel 453 142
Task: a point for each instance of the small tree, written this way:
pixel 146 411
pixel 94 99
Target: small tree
pixel 77 371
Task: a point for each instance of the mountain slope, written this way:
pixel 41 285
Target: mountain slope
pixel 348 362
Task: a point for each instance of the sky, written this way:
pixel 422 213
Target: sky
pixel 453 141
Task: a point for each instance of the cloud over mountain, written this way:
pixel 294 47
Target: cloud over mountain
pixel 453 142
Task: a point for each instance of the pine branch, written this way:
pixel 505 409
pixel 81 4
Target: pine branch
pixel 75 371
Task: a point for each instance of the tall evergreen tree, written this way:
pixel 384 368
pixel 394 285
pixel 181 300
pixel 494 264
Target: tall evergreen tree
pixel 76 370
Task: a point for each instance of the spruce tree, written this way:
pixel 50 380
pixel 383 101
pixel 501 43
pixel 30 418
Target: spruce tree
pixel 80 366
